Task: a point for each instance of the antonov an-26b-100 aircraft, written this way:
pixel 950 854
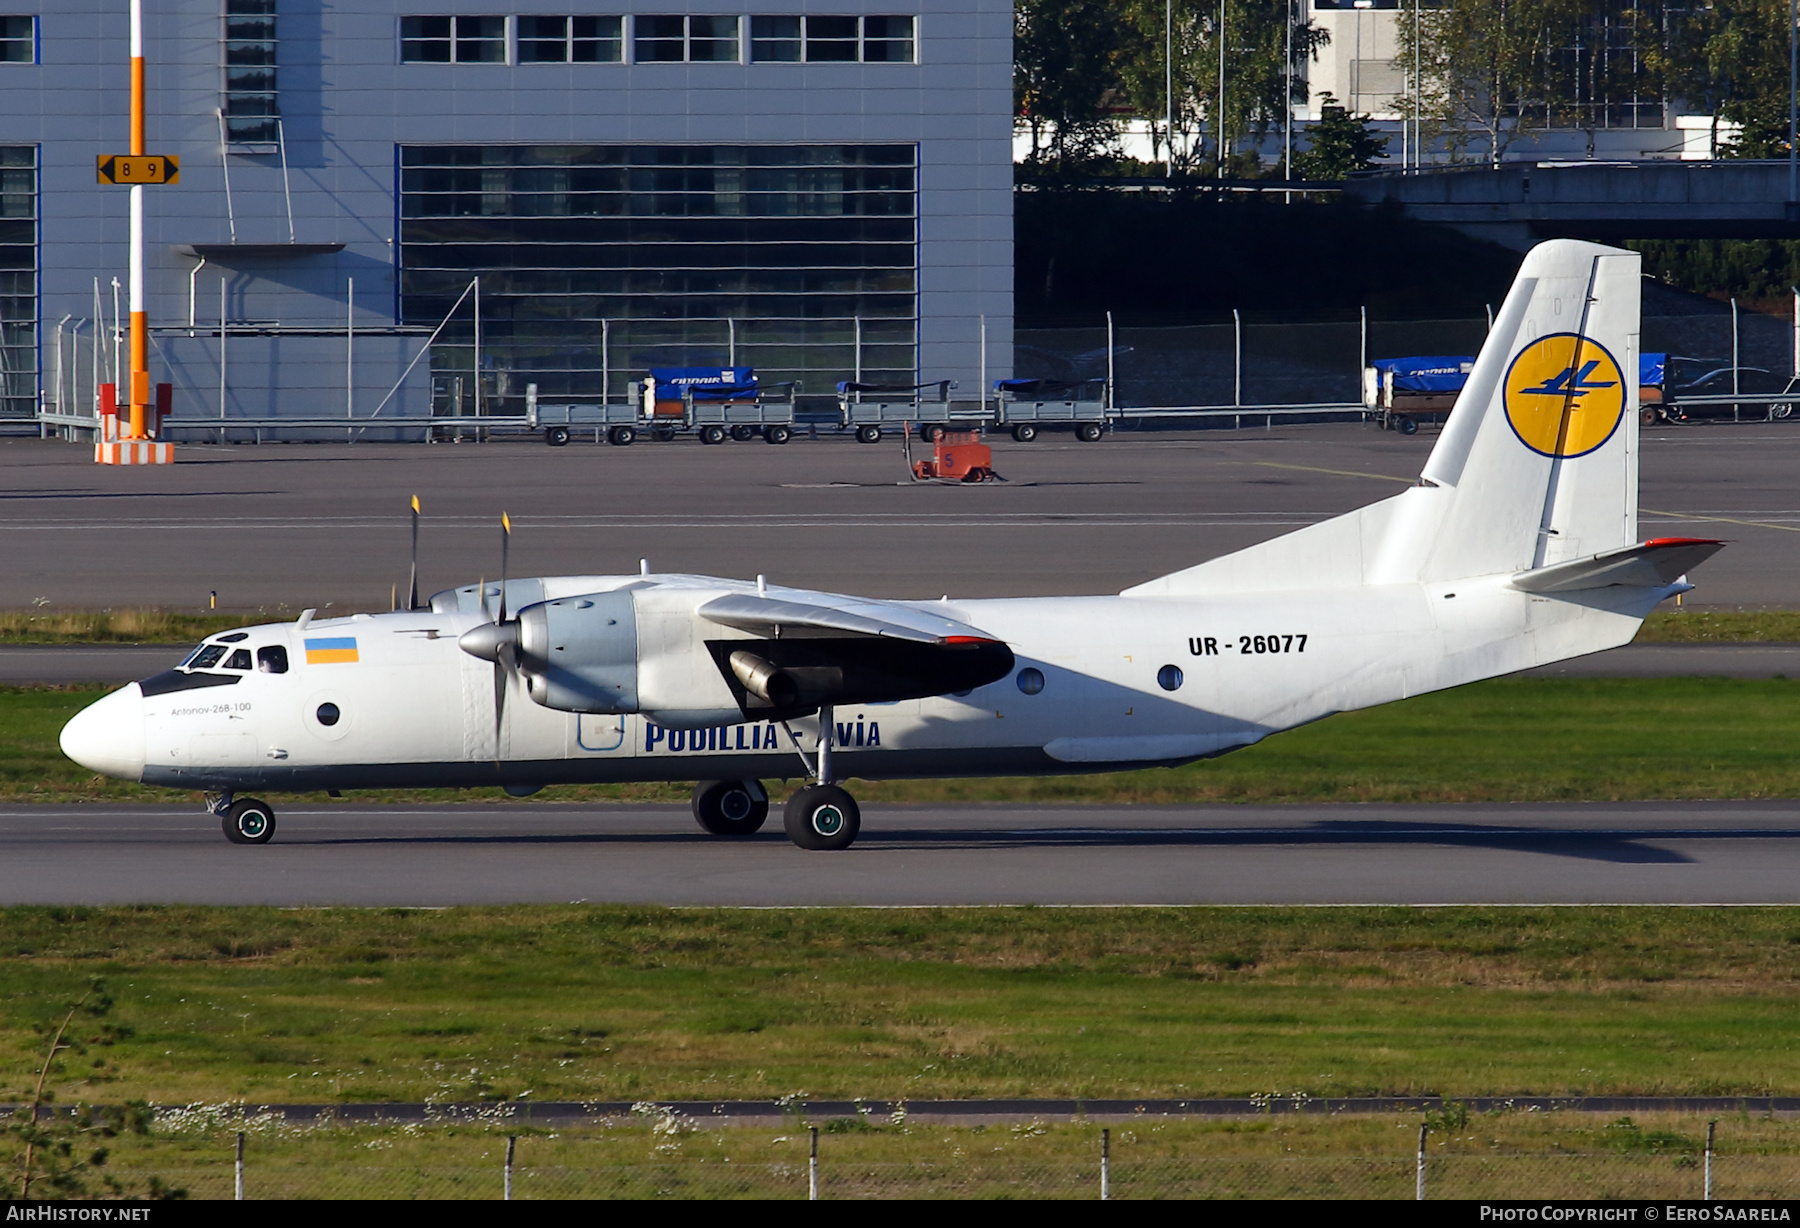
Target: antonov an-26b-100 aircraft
pixel 1517 546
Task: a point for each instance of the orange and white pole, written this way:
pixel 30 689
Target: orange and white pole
pixel 140 338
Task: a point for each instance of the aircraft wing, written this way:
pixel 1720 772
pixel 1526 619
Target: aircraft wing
pixel 797 613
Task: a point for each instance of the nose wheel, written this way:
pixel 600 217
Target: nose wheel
pixel 823 817
pixel 246 820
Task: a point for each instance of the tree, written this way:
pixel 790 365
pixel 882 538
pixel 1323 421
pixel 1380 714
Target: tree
pixel 1339 145
pixel 1254 36
pixel 1065 55
pixel 59 1157
pixel 1730 58
pixel 1488 67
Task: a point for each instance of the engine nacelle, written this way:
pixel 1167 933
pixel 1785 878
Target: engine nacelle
pixel 580 654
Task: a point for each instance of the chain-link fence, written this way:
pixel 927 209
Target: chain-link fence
pixel 876 1164
pixel 1260 363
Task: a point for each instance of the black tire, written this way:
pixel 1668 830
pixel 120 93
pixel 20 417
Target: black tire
pixel 777 433
pixel 975 475
pixel 621 436
pixel 712 434
pixel 929 431
pixel 662 434
pixel 249 821
pixel 869 433
pixel 1407 426
pixel 743 434
pixel 557 436
pixel 1089 432
pixel 1780 410
pixel 730 807
pixel 823 817
pixel 1024 432
pixel 1649 416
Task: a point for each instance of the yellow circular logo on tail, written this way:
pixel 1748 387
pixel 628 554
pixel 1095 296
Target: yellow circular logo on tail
pixel 1564 395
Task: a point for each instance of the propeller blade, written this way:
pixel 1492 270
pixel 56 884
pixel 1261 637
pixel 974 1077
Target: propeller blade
pixel 412 591
pixel 503 660
pixel 481 588
pixel 505 541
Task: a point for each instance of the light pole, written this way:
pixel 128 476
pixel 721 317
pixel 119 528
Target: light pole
pixel 1219 119
pixel 1169 83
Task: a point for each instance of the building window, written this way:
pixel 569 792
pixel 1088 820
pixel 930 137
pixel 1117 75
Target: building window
pixel 831 40
pixel 18 40
pixel 800 261
pixel 250 100
pixel 694 40
pixel 453 40
pixel 18 281
pixel 570 40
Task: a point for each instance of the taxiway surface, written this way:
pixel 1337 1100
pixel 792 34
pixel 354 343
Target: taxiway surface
pixel 1623 853
pixel 280 528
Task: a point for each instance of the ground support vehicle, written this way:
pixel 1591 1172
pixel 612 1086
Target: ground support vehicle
pixel 1025 406
pixel 956 456
pixel 1400 393
pixel 558 421
pixel 873 409
pixel 716 421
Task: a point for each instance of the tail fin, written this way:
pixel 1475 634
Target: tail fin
pixel 1537 464
pixel 1542 447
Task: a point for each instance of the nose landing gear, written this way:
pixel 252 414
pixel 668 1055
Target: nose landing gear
pixel 246 820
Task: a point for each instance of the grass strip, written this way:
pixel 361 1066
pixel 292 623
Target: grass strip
pixel 148 626
pixel 1511 739
pixel 586 1002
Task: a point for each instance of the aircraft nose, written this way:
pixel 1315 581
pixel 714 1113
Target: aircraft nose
pixel 107 736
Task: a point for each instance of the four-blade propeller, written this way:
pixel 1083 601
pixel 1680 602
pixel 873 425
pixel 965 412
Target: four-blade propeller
pixel 497 641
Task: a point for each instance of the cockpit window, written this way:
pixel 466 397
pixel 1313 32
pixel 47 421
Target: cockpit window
pixel 272 659
pixel 234 637
pixel 206 658
pixel 239 659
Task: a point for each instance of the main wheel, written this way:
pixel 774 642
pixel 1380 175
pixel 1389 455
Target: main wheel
pixel 1089 432
pixel 823 817
pixel 1407 426
pixel 777 433
pixel 621 436
pixel 743 433
pixel 556 436
pixel 1024 432
pixel 930 431
pixel 869 433
pixel 249 821
pixel 730 807
pixel 712 434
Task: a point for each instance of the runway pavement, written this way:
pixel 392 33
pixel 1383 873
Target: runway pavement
pixel 1680 853
pixel 280 528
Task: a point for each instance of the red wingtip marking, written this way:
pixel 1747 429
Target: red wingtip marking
pixel 1657 543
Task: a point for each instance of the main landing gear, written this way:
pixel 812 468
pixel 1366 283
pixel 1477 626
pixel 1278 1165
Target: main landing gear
pixel 819 816
pixel 246 820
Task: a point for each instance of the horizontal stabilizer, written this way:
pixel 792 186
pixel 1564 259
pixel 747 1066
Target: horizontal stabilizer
pixel 773 617
pixel 1651 564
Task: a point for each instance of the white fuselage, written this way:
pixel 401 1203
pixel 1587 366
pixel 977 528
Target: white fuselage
pixel 412 709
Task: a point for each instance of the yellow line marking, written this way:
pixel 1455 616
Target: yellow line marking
pixel 1342 473
pixel 1754 524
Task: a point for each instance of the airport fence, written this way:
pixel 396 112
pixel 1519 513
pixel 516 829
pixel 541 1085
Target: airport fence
pixel 707 1172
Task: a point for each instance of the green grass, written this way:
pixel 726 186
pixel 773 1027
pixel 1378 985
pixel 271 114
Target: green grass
pixel 1719 626
pixel 630 1003
pixel 1515 739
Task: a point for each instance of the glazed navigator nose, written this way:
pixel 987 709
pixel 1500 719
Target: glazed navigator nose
pixel 107 736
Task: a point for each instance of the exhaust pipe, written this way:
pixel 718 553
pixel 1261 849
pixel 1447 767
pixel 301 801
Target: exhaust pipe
pixel 765 680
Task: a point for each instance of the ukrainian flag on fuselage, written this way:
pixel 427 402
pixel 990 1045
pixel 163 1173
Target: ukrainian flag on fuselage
pixel 335 650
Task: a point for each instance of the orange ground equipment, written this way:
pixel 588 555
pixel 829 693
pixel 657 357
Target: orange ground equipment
pixel 956 456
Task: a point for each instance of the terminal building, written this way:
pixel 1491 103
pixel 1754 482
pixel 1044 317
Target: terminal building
pixel 393 209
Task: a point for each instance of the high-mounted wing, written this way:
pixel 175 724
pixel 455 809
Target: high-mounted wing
pixel 827 614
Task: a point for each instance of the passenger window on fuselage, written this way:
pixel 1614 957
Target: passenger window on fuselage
pixel 239 659
pixel 207 657
pixel 272 660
